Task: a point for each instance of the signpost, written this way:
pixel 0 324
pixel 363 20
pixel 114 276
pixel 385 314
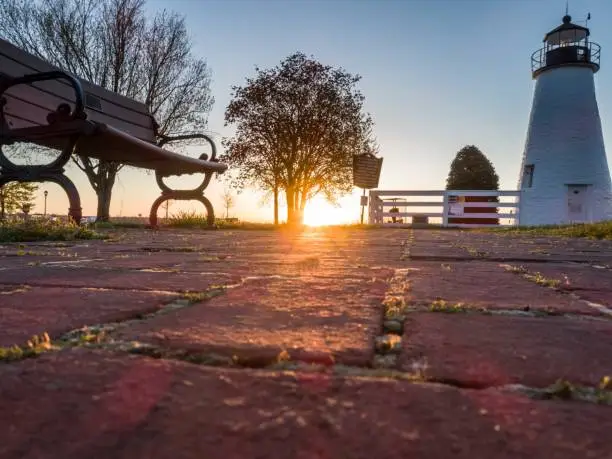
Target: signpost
pixel 366 173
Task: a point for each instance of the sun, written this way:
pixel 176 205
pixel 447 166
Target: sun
pixel 319 212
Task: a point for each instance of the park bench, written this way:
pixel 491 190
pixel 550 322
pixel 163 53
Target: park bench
pixel 41 105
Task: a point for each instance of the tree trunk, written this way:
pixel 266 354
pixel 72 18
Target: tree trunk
pixel 104 193
pixel 302 207
pixel 107 173
pixel 298 206
pixel 102 178
pixel 291 214
pixel 294 210
pixel 275 206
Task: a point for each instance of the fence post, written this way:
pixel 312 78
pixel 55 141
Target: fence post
pixel 372 207
pixel 445 208
pixel 379 210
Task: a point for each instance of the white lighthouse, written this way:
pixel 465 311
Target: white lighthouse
pixel 564 173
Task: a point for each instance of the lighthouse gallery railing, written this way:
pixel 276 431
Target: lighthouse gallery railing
pixel 572 53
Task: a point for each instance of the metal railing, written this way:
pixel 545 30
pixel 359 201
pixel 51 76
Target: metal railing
pixel 586 53
pixel 443 208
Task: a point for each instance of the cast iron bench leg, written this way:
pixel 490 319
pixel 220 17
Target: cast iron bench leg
pixel 182 195
pixel 197 194
pixel 52 172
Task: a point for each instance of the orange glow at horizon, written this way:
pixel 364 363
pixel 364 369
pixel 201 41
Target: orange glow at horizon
pixel 319 212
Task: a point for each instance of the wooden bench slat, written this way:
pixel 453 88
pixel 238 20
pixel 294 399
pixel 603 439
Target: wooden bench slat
pixel 55 92
pixel 57 139
pixel 51 94
pixel 111 144
pixel 19 122
pixel 114 109
pixel 18 111
pixel 32 64
pixel 107 143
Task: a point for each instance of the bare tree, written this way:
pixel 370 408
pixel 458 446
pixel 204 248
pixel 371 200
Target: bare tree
pixel 228 201
pixel 112 44
pixel 298 126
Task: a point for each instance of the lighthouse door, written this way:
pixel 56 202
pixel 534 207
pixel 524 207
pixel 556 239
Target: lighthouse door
pixel 577 203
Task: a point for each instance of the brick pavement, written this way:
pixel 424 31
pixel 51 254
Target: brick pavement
pixel 328 343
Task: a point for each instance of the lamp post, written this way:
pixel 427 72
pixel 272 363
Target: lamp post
pixel 46 193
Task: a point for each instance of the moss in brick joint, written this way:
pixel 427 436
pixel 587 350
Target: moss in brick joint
pixel 539 279
pixel 388 346
pixel 565 390
pixel 33 348
pixel 442 306
pixel 535 277
pixel 196 297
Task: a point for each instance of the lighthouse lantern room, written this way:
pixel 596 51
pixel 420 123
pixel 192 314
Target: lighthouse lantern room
pixel 564 172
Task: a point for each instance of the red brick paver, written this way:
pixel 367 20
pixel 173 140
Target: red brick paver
pixel 25 312
pixel 110 278
pixel 311 318
pixel 481 284
pixel 587 282
pixel 480 350
pixel 95 405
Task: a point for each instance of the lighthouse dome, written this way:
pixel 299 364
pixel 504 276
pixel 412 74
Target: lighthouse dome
pixel 566 45
pixel 566 33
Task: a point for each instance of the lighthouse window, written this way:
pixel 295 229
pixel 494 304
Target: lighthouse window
pixel 528 176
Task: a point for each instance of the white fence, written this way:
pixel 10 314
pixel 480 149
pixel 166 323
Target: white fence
pixel 395 208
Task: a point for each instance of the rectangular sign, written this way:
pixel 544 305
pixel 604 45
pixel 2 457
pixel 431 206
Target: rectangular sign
pixel 455 205
pixel 366 171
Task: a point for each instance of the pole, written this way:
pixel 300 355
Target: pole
pixel 445 209
pixel 362 207
pixel 46 193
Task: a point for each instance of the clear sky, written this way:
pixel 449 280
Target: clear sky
pixel 437 75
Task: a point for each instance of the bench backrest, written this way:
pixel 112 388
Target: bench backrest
pixel 29 105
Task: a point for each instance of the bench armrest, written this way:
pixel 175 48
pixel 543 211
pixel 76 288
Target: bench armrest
pixel 164 139
pixel 79 108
